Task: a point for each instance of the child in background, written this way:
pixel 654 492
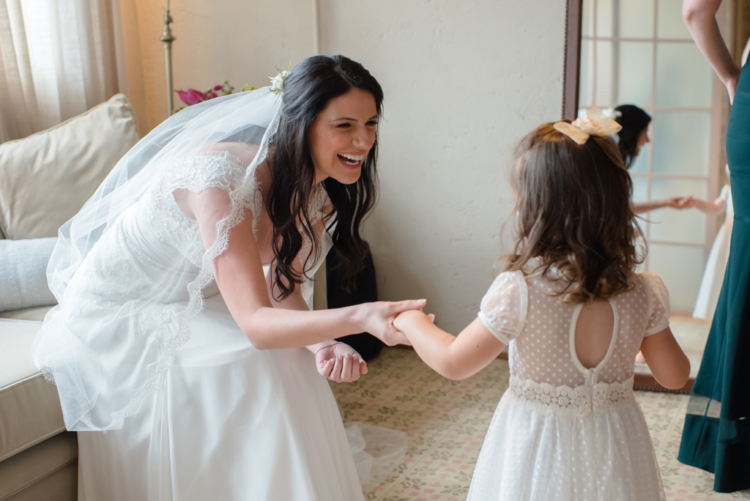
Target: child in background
pixel 568 428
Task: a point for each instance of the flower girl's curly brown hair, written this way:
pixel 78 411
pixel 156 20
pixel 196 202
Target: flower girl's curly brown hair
pixel 574 214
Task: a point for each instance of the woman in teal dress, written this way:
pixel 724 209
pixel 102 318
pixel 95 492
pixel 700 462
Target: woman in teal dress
pixel 716 437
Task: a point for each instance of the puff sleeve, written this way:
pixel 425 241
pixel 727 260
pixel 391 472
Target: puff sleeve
pixel 658 304
pixel 504 306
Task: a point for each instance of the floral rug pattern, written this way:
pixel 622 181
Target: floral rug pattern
pixel 446 422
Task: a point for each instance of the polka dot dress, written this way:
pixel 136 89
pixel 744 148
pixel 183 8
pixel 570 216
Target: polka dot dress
pixel 563 432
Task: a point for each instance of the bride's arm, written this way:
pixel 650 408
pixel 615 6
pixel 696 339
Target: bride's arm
pixel 239 275
pixel 334 360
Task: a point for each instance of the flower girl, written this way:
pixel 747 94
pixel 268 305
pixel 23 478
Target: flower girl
pixel 568 427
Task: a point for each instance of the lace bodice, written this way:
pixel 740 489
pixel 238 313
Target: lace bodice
pixel 540 329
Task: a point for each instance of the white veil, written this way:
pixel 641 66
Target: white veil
pixel 148 302
pixel 242 117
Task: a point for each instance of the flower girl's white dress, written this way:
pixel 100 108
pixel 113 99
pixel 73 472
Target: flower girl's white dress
pixel 713 276
pixel 222 420
pixel 563 432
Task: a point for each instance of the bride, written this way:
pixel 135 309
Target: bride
pixel 184 285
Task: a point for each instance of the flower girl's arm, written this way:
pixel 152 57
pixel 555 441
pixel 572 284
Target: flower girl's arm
pixel 665 358
pixel 452 357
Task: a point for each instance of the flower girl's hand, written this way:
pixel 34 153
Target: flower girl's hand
pixel 340 362
pixel 377 319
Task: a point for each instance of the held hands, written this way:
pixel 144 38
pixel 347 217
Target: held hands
pixel 680 203
pixel 340 362
pixel 401 322
pixel 377 319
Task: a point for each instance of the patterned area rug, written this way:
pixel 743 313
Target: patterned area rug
pixel 446 422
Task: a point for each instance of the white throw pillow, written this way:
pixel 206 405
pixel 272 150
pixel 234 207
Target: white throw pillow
pixel 23 273
pixel 47 177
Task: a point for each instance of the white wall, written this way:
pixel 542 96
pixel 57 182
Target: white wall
pixel 463 82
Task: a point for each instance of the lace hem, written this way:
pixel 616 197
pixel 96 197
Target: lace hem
pixel 566 401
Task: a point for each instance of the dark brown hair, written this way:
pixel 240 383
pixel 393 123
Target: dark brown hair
pixel 574 214
pixel 634 121
pixel 312 84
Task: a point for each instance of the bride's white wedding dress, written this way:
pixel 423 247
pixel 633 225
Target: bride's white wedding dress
pixel 192 411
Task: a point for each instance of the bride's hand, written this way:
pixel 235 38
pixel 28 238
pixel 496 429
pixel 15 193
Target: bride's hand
pixel 340 362
pixel 377 319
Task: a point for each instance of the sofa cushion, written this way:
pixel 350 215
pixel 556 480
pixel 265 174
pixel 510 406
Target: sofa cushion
pixel 30 410
pixel 48 176
pixel 23 273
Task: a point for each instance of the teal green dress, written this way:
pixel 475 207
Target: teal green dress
pixel 716 437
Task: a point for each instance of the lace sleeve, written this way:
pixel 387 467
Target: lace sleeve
pixel 503 308
pixel 202 171
pixel 658 304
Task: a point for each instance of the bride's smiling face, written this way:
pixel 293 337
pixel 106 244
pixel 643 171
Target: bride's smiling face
pixel 342 135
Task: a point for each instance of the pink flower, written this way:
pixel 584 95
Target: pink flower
pixel 191 96
pixel 218 87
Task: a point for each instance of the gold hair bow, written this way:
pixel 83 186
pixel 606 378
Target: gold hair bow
pixel 593 123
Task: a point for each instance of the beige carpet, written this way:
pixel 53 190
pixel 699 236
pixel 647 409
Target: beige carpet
pixel 446 422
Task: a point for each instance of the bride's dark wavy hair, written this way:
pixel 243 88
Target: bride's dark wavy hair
pixel 307 91
pixel 574 214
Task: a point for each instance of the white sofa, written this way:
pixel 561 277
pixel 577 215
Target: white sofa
pixel 44 180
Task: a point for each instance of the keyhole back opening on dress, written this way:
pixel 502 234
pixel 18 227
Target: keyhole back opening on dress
pixel 593 329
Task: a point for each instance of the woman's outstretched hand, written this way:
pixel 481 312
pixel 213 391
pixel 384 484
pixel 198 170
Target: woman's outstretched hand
pixel 340 362
pixel 377 319
pixel 684 202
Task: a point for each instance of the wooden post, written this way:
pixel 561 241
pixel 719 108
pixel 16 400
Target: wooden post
pixel 571 75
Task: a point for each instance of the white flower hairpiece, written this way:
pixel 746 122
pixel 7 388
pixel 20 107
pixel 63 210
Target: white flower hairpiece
pixel 612 113
pixel 593 123
pixel 277 82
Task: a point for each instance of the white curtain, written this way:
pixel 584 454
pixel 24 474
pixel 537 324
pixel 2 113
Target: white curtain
pixel 58 58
